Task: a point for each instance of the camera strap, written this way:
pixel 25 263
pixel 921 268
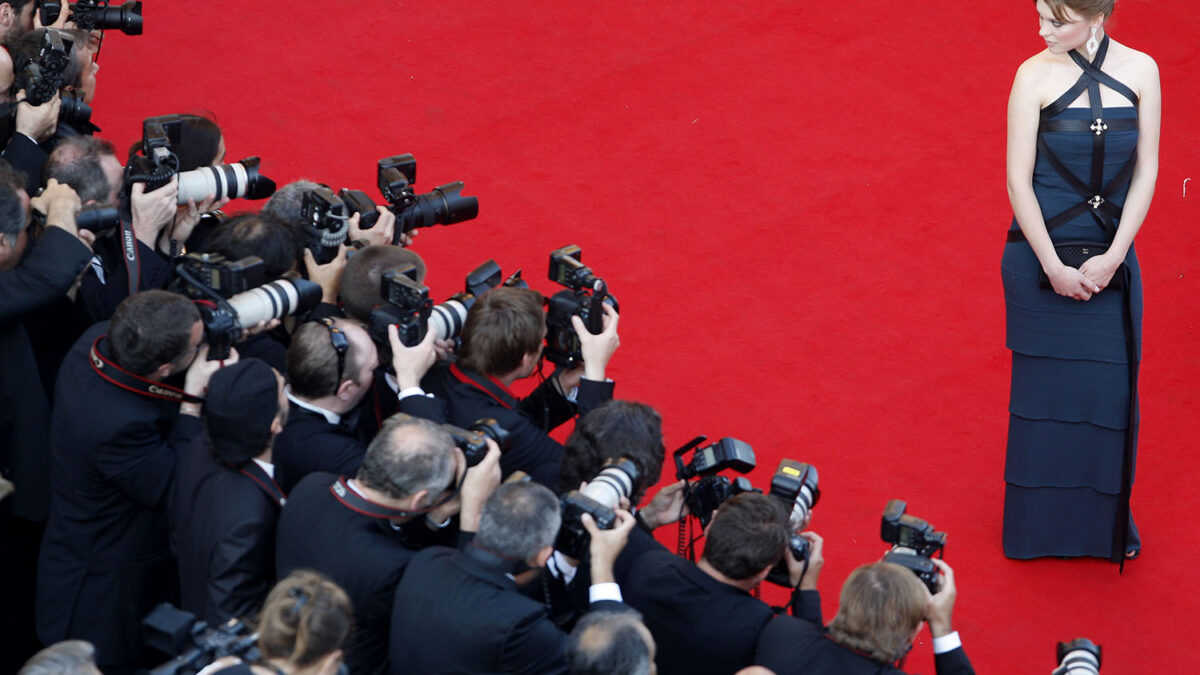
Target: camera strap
pixel 487 385
pixel 129 254
pixel 116 375
pixel 263 480
pixel 350 499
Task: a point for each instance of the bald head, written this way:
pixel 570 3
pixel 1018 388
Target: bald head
pixel 611 643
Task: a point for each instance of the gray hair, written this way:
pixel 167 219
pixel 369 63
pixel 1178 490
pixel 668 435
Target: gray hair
pixel 71 657
pixel 409 454
pixel 609 643
pixel 287 204
pixel 518 520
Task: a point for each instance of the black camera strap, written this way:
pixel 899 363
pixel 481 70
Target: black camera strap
pixel 263 480
pixel 487 385
pixel 129 254
pixel 116 375
pixel 350 499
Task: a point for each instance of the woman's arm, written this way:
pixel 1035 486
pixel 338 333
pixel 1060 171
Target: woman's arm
pixel 1141 186
pixel 1024 114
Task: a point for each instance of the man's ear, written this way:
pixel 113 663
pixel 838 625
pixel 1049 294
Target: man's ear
pixel 346 389
pixel 539 559
pixel 162 372
pixel 7 16
pixel 416 501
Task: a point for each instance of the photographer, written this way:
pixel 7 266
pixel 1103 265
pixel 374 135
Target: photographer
pixel 363 531
pixel 287 204
pixel 502 342
pixel 119 423
pixel 879 615
pixel 34 276
pixel 72 657
pixel 225 501
pixel 460 611
pixel 681 600
pixel 611 643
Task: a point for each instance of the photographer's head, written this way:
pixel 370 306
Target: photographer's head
pixel 504 334
pixel 611 431
pixel 331 365
pixel 260 235
pixel 14 217
pixel 745 539
pixel 287 204
pixel 304 624
pixel 411 464
pixel 200 143
pixel 881 608
pixel 16 18
pixel 70 657
pixel 155 334
pixel 244 410
pixel 611 643
pixel 89 165
pixel 360 289
pixel 80 70
pixel 520 521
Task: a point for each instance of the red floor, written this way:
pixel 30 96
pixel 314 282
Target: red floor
pixel 801 207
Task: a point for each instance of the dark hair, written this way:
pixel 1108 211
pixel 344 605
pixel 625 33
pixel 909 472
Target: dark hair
pixel 613 430
pixel 305 618
pixel 609 643
pixel 199 139
pixel 501 328
pixel 409 454
pixel 360 279
pixel 312 360
pixel 256 234
pixel 881 606
pixel 26 48
pixel 519 520
pixel 748 535
pixel 13 216
pixel 151 328
pixel 76 162
pixel 287 204
pixel 1084 8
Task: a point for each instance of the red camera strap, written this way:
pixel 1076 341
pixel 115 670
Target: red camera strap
pixel 487 385
pixel 118 376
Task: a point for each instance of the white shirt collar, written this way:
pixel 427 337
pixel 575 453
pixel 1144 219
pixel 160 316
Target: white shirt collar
pixel 265 466
pixel 329 415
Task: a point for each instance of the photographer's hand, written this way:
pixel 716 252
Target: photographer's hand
pixel 188 216
pixel 60 204
pixel 381 234
pixel 666 507
pixel 38 122
pixel 940 608
pixel 479 483
pixel 60 22
pixel 816 560
pixel 198 375
pixel 152 211
pixel 598 349
pixel 411 363
pixel 606 545
pixel 327 276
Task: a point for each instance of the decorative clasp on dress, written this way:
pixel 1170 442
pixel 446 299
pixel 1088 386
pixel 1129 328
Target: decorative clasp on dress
pixel 1099 126
pixel 1096 201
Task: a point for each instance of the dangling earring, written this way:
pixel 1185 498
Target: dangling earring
pixel 1093 44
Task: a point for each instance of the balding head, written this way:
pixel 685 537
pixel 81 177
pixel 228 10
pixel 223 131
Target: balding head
pixel 611 643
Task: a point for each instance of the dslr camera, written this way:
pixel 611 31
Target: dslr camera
pixel 444 205
pixel 42 77
pixel 599 498
pixel 473 440
pixel 90 15
pixel 157 164
pixel 914 542
pixel 326 222
pixel 711 490
pixel 795 484
pixel 585 298
pixel 232 296
pixel 1080 656
pixel 193 643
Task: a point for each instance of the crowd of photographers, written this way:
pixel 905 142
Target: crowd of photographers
pixel 254 444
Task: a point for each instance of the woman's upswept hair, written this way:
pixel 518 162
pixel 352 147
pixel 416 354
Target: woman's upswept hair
pixel 882 605
pixel 305 617
pixel 1084 8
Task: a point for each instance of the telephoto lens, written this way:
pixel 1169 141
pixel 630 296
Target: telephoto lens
pixel 446 320
pixel 275 300
pixel 614 482
pixel 237 180
pixel 1080 656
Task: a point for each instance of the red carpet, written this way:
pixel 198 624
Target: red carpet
pixel 801 207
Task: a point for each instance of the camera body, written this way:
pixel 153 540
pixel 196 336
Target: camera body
pixel 795 484
pixel 706 495
pixel 357 201
pixel 193 643
pixel 444 205
pixel 599 499
pixel 914 542
pixel 1080 656
pixel 42 78
pixel 473 440
pixel 92 15
pixel 586 296
pixel 326 222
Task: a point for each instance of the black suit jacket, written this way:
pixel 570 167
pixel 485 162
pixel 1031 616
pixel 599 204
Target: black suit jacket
pixel 310 443
pixel 48 270
pixel 527 420
pixel 362 554
pixel 223 532
pixel 105 561
pixel 98 299
pixel 458 612
pixel 792 646
pixel 26 156
pixel 699 624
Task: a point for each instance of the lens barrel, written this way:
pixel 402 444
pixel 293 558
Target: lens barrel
pixel 237 180
pixel 275 300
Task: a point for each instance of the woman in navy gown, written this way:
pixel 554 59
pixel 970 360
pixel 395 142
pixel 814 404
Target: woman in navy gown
pixel 1083 128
